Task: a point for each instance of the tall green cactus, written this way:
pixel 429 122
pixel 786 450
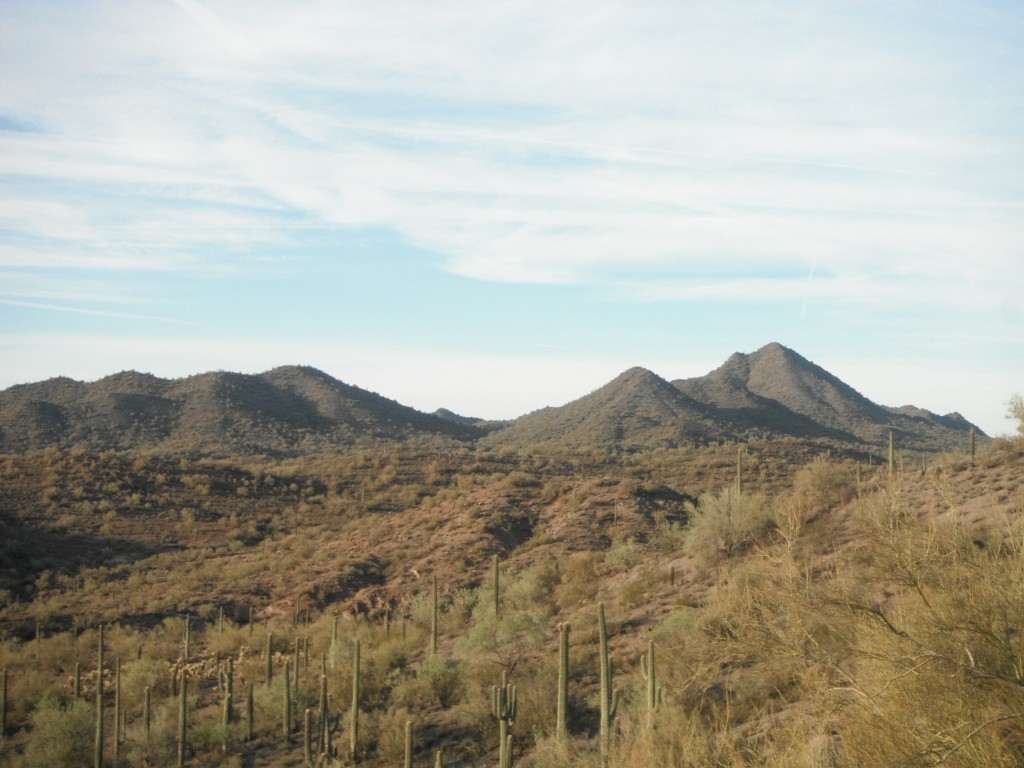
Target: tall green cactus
pixel 353 731
pixel 227 686
pixel 286 704
pixel 182 724
pixel 118 731
pixel 188 636
pixel 307 739
pixel 609 696
pixel 250 725
pixel 407 763
pixel 562 707
pixel 972 447
pixel 323 737
pixel 497 588
pixel 147 718
pixel 433 620
pixel 268 672
pixel 335 647
pixel 503 709
pixel 226 677
pixel 655 692
pixel 739 470
pixel 76 685
pixel 97 758
pixel 3 706
pixel 892 456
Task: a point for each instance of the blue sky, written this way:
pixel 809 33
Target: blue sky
pixel 493 207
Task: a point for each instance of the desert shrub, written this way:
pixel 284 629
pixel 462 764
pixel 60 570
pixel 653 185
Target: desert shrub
pixel 520 479
pixel 622 555
pixel 829 484
pixel 503 642
pixel 531 588
pixel 437 681
pixel 61 736
pixel 420 608
pixel 950 632
pixel 579 580
pixel 463 603
pixel 668 538
pixel 725 524
pixel 390 733
pixel 160 747
pixel 139 674
pixel 442 678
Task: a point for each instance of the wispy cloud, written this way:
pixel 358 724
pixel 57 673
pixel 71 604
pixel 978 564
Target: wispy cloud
pixel 664 154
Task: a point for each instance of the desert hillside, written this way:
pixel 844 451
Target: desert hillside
pixel 801 601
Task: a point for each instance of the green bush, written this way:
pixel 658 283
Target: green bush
pixel 61 736
pixel 725 524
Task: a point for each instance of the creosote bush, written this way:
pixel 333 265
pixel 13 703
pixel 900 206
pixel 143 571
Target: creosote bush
pixel 809 619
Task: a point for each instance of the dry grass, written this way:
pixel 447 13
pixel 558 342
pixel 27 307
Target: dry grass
pixel 817 619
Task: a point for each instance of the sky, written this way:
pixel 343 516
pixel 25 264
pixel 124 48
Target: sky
pixel 495 207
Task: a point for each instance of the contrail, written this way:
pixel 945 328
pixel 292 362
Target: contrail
pixel 807 290
pixel 93 312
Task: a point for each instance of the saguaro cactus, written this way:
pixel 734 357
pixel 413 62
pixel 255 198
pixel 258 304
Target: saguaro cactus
pixel 433 620
pixel 503 709
pixel 98 748
pixel 3 706
pixel 307 738
pixel 972 448
pixel 323 720
pixel 609 696
pixel 739 470
pixel 655 692
pixel 76 685
pixel 408 744
pixel 188 636
pixel 353 731
pixel 250 725
pixel 892 455
pixel 268 672
pixel 226 677
pixel 497 588
pixel 563 682
pixel 334 643
pixel 147 706
pixel 286 705
pixel 182 725
pixel 118 732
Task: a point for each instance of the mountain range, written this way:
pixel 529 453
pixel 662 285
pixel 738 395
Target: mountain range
pixel 773 392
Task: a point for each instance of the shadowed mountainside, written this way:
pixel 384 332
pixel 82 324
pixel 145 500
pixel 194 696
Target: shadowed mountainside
pixel 771 392
pixel 775 390
pixel 289 410
pixel 297 410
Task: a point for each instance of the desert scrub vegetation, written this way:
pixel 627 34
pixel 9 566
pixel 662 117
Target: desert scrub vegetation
pixel 818 613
